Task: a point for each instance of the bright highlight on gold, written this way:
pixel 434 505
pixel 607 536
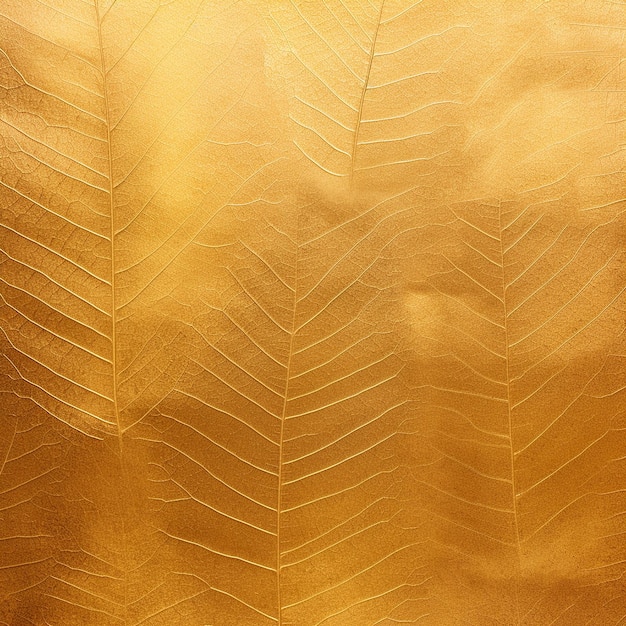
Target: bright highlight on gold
pixel 312 312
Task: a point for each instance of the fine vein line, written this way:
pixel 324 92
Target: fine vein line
pixel 357 130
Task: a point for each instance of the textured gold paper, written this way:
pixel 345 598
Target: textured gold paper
pixel 313 312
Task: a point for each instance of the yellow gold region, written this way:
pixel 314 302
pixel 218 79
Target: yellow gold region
pixel 312 313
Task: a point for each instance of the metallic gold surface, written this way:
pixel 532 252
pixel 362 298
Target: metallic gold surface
pixel 313 312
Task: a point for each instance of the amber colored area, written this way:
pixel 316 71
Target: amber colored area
pixel 313 312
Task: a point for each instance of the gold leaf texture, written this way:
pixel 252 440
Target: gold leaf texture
pixel 312 312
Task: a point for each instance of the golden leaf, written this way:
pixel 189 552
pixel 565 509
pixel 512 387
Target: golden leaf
pixel 312 312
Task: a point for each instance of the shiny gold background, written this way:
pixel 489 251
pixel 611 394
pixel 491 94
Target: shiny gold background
pixel 312 312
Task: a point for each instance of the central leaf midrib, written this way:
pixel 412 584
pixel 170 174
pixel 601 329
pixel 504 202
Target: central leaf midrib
pixel 283 415
pixel 111 222
pixel 359 113
pixel 509 411
pixel 114 366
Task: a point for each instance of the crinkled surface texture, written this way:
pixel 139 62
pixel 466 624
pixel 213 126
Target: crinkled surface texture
pixel 312 312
